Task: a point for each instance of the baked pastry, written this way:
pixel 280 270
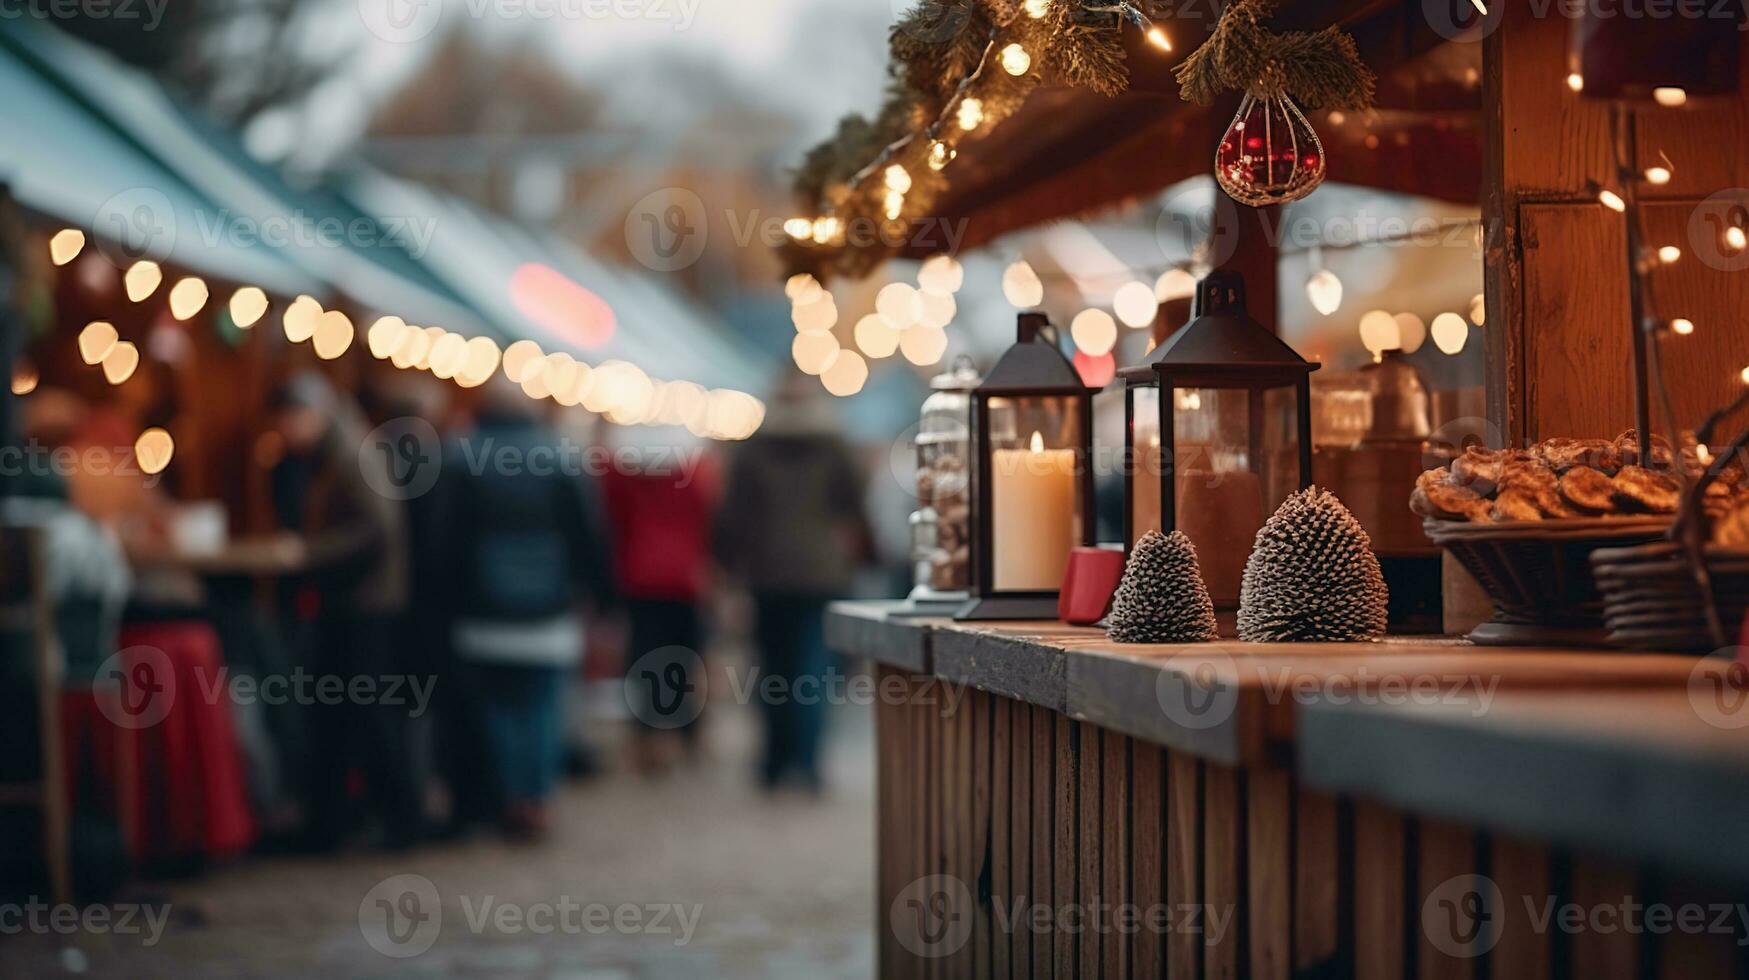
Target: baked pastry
pixel 1588 489
pixel 1437 496
pixel 1639 488
pixel 1568 478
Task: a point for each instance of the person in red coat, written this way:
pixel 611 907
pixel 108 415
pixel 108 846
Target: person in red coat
pixel 660 514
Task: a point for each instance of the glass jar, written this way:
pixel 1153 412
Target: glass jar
pixel 941 526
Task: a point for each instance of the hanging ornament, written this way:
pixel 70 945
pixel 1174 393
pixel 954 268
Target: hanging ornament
pixel 1270 154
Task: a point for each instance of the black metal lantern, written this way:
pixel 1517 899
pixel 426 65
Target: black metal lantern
pixel 1032 422
pixel 1218 432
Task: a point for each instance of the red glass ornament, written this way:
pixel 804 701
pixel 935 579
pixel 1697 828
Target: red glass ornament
pixel 1269 154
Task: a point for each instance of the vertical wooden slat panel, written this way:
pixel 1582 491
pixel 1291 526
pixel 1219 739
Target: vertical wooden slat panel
pixel 1521 871
pixel 1594 954
pixel 1020 841
pixel 1148 857
pixel 1184 866
pixel 1044 832
pixel 1448 938
pixel 1088 858
pixel 1318 896
pixel 892 746
pixel 1001 808
pixel 1379 895
pixel 963 963
pixel 979 739
pixel 940 723
pixel 1067 819
pixel 1269 859
pixel 925 751
pixel 1114 826
pixel 1682 953
pixel 1223 869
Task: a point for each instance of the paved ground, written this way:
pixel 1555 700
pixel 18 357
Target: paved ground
pixel 780 887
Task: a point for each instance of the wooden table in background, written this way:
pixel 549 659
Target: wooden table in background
pixel 1313 799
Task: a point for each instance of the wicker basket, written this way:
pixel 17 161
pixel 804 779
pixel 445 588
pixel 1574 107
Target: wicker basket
pixel 1652 601
pixel 1538 573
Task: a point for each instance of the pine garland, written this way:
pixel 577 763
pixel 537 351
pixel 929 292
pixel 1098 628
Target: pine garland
pixel 944 53
pixel 1162 598
pixel 1312 576
pixel 1319 69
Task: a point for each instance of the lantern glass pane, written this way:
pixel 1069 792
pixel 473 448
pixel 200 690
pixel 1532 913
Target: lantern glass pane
pixel 1144 463
pixel 1035 490
pixel 1220 493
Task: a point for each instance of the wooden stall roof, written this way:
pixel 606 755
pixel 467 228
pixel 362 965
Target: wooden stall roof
pixel 1387 720
pixel 1069 152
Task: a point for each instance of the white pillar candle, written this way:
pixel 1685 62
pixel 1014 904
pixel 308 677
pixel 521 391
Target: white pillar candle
pixel 1033 516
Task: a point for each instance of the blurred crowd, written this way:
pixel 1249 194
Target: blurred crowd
pixel 502 569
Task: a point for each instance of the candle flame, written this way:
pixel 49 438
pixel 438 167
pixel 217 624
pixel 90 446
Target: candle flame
pixel 1038 443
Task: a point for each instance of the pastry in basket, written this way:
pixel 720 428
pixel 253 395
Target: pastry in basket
pixel 1589 489
pixel 1637 488
pixel 1436 495
pixel 1562 455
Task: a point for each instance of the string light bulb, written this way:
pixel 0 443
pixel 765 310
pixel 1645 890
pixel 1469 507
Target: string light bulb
pixel 1657 175
pixel 825 229
pixel 248 305
pixel 1015 60
pixel 1669 96
pixel 142 279
pixel 153 450
pixel 1037 8
pixel 846 375
pixel 187 298
pixel 941 274
pixel 1611 200
pixel 333 335
pixel 898 178
pixel 798 228
pixel 1324 290
pixel 121 362
pixel 1095 332
pixel 1744 376
pixel 1450 333
pixel 66 245
pixel 1682 326
pixel 896 303
pixel 876 337
pixel 1174 283
pixel 1668 254
pixel 1158 39
pixel 895 205
pixel 802 288
pixel 1379 332
pixel 940 154
pixel 1134 304
pixel 24 379
pixel 1021 286
pixel 971 114
pixel 520 358
pixel 96 341
pixel 1576 81
pixel 1735 237
pixel 814 352
pixel 300 319
pixel 923 346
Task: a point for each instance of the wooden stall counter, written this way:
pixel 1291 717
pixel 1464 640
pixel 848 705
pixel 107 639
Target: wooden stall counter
pixel 1053 804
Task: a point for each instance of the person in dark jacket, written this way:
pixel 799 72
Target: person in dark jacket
pixel 525 555
pixel 791 528
pixel 351 542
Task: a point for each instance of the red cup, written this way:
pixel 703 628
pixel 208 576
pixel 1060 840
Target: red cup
pixel 1088 584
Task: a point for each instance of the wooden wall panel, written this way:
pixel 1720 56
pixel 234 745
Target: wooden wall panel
pixel 1444 853
pixel 1380 899
pixel 1318 892
pixel 1148 809
pixel 1578 371
pixel 1223 867
pixel 1521 871
pixel 1184 860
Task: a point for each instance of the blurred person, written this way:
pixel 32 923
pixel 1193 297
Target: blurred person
pixel 660 516
pixel 351 544
pixel 792 529
pixel 525 553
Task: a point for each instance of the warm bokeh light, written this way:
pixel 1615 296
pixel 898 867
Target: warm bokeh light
pixel 154 449
pixel 1095 332
pixel 898 178
pixel 188 297
pixel 562 307
pixel 96 341
pixel 24 379
pixel 1611 200
pixel 1379 332
pixel 300 319
pixel 798 228
pixel 1658 175
pixel 1134 304
pixel 1095 372
pixel 1324 290
pixel 846 375
pixel 1021 286
pixel 896 303
pixel 1158 39
pixel 802 288
pixel 412 348
pixel 818 315
pixel 1576 81
pixel 1670 96
pixel 1682 325
pixel 66 245
pixel 1735 237
pixel 933 309
pixel 876 337
pixel 383 335
pixel 1668 254
pixel 971 114
pixel 814 352
pixel 923 346
pixel 142 280
pixel 479 360
pixel 121 362
pixel 447 355
pixel 519 357
pixel 248 306
pixel 1015 60
pixel 1450 332
pixel 334 334
pixel 941 274
pixel 1174 284
pixel 1411 332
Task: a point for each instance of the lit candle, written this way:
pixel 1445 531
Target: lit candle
pixel 1033 516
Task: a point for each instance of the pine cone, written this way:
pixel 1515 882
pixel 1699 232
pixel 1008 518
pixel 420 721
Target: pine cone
pixel 1162 598
pixel 1312 576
